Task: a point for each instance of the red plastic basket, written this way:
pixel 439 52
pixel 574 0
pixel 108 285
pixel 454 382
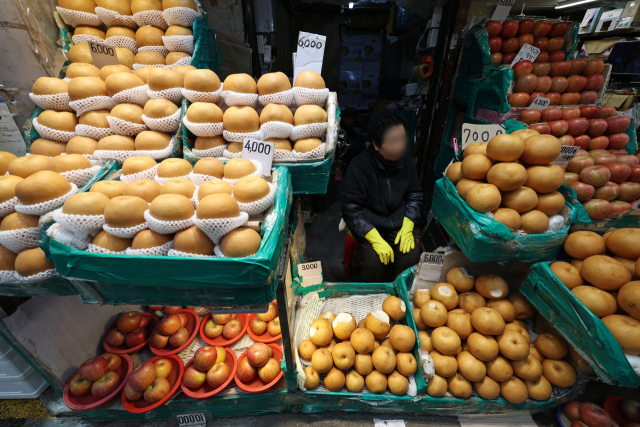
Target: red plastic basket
pixel 611 406
pixel 168 350
pixel 205 390
pixel 124 349
pixel 256 385
pixel 141 406
pixel 221 341
pixel 87 402
pixel 264 338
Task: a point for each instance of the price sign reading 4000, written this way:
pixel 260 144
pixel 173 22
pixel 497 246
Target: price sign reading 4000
pixel 253 146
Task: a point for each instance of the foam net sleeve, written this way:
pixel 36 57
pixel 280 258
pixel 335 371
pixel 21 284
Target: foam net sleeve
pixel 179 43
pixel 203 129
pixel 122 41
pixel 68 238
pixel 52 134
pixel 166 227
pixel 136 95
pixel 57 102
pixel 36 278
pixel 276 130
pixel 317 153
pixel 48 206
pixel 182 16
pixel 173 94
pixel 210 152
pixel 93 131
pixel 81 176
pixel 217 228
pixel 259 206
pixel 145 174
pixel 285 98
pixel 195 96
pixel 303 96
pixel 127 232
pixel 161 250
pixel 92 103
pixel 81 225
pixel 111 18
pixel 314 130
pixel 123 127
pixel 150 17
pixel 75 18
pixel 168 124
pixel 20 239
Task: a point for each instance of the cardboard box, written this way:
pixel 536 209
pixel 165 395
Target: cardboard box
pixel 608 21
pixel 370 84
pixel 591 19
pixel 372 67
pixel 630 14
pixel 598 49
pixel 350 83
pixel 621 100
pixel 373 48
pixel 352 66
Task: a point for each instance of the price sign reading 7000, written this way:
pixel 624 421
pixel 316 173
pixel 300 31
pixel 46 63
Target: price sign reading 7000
pixel 479 133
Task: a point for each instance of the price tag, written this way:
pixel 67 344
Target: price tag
pixel 540 103
pixel 261 151
pixel 526 53
pixel 192 420
pixel 311 273
pixel 103 54
pixel 431 266
pixel 567 152
pixel 479 133
pixel 502 10
pixel 310 53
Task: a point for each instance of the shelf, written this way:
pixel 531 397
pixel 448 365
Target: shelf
pixel 610 34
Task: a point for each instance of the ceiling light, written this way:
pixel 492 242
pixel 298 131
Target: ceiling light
pixel 350 5
pixel 574 4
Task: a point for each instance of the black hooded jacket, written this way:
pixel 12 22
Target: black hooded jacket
pixel 379 194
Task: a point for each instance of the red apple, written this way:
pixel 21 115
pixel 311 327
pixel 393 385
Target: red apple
pixel 79 386
pixel 576 83
pixel 596 128
pixel 136 337
pixel 93 369
pixel 606 112
pixel 205 358
pixel 525 38
pixel 566 140
pixel 556 56
pixel 577 66
pixel 578 423
pixel 569 98
pixel 588 97
pixel 221 319
pixel 259 327
pixel 232 329
pixel 578 163
pixel 618 140
pixel 593 415
pixel 628 160
pixel 131 394
pixel 115 338
pixel 217 375
pixel 274 327
pixel 582 152
pixel 179 338
pixel 158 389
pixel 617 124
pixel 608 191
pixel 184 319
pixel 594 82
pixel 493 28
pixel 618 207
pixel 142 377
pixel 495 44
pixel 544 84
pixel 496 58
pixel 129 322
pixel 163 368
pixel 570 177
pixel 170 325
pixel 526 83
pixel 509 29
pixel 559 69
pixel 570 113
pixel 589 112
pixel 619 172
pixel 272 312
pixel 258 354
pixel 635 174
pixel 559 84
pixel 616 152
pixel 555 44
pixel 541 43
pixel 559 29
pixel 594 153
pixel 509 45
pixel 597 209
pixel 158 340
pixel 541 69
pixel 270 370
pixel 594 66
pixel 604 159
pixel 194 378
pixel 582 141
pixel 542 57
pixel 554 98
pixel 533 96
pixel 599 143
pixel 245 371
pixel 583 191
pixel 113 361
pixel 558 127
pixel 144 322
pixel 105 385
pixel 521 68
pixel 171 309
pixel 595 175
pixel 525 26
pixel 542 128
pixel 526 116
pixel 541 28
pixel 508 58
pixel 212 330
pixel 154 307
pixel 629 191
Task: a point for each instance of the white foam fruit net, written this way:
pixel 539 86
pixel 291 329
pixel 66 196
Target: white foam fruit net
pixel 182 16
pixel 210 152
pixel 67 79
pixel 94 249
pixel 122 41
pixel 178 43
pixel 40 277
pixel 303 96
pixel 75 18
pixel 199 178
pixel 280 154
pixel 156 49
pixel 81 225
pixel 195 96
pixel 167 124
pixel 217 228
pixel 203 129
pixel 8 207
pixel 167 227
pixel 52 134
pixel 259 206
pixel 229 155
pixel 313 130
pixel 150 17
pixel 135 95
pixel 80 177
pixel 257 172
pixel 86 38
pixel 240 136
pixel 234 98
pixel 57 102
pixel 158 154
pixel 20 239
pixel 285 98
pixel 123 127
pixel 173 94
pixel 111 18
pixel 317 153
pixel 161 250
pixel 145 174
pixel 161 180
pixel 7 276
pixel 126 232
pixel 175 252
pixel 48 206
pixel 276 130
pixel 182 61
pixel 137 66
pixel 102 102
pixel 93 132
pixel 67 237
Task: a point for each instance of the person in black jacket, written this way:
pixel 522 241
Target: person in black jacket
pixel 381 199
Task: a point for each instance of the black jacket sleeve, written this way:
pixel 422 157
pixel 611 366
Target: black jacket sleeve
pixel 413 195
pixel 353 196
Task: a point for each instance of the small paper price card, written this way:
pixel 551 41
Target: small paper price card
pixel 431 266
pixel 310 53
pixel 261 151
pixel 527 53
pixel 103 54
pixel 567 152
pixel 479 133
pixel 502 10
pixel 311 273
pixel 540 103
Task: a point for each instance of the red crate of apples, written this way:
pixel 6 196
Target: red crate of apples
pixel 587 414
pixel 97 381
pixel 223 329
pixel 265 327
pixel 174 333
pixel 209 371
pixel 131 334
pixel 259 367
pixel 152 383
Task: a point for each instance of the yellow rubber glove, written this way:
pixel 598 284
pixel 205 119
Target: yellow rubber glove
pixel 405 236
pixel 382 248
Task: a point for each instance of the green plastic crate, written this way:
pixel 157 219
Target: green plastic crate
pixel 577 324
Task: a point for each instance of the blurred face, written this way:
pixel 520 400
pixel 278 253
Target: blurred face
pixel 393 144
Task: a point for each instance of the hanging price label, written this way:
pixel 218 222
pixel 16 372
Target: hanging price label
pixel 526 53
pixel 103 54
pixel 311 273
pixel 502 10
pixel 540 103
pixel 431 266
pixel 310 53
pixel 479 133
pixel 567 152
pixel 261 151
